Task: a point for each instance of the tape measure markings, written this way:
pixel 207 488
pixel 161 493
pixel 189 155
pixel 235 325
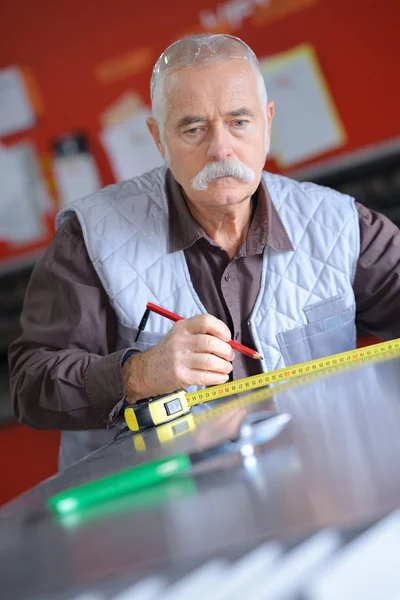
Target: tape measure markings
pixel 166 408
pixel 266 394
pixel 166 431
pixel 312 366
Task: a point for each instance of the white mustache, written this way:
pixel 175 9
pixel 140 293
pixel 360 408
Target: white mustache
pixel 231 167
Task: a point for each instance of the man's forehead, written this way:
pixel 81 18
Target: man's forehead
pixel 191 88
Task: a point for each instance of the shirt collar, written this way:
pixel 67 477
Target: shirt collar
pixel 266 227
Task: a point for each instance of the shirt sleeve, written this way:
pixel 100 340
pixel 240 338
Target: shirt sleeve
pixel 377 280
pixel 64 370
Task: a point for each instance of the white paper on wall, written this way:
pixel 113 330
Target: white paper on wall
pixel 76 176
pixel 130 147
pixel 16 110
pixel 21 188
pixel 306 122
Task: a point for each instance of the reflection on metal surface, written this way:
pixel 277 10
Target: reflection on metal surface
pixel 146 499
pixel 327 566
pixel 167 432
pixel 256 429
pixel 335 465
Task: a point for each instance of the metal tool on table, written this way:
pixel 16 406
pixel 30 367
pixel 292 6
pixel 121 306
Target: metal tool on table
pixel 256 429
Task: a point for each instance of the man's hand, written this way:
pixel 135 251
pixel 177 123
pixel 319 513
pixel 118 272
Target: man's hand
pixel 194 352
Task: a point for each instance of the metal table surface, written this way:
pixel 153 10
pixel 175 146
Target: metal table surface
pixel 336 463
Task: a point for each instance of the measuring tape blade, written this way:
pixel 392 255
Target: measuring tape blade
pixel 263 395
pixel 167 408
pixel 313 366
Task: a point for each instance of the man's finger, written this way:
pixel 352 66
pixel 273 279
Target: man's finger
pixel 209 362
pixel 207 378
pixel 209 343
pixel 208 324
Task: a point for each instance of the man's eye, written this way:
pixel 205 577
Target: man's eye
pixel 193 131
pixel 240 123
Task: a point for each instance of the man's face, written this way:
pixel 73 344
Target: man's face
pixel 212 114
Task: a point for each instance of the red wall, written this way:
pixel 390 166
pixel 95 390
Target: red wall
pixel 357 42
pixel 27 456
pixel 65 44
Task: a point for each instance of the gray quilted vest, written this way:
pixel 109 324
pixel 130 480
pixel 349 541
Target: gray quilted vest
pixel 305 308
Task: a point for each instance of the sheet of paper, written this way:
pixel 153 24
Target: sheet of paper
pixel 76 177
pixel 20 187
pixel 16 110
pixel 306 122
pixel 130 147
pixel 124 107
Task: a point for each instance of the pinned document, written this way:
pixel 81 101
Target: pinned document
pixel 126 139
pixel 21 189
pixel 306 122
pixel 17 111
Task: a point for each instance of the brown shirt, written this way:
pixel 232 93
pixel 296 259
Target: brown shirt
pixel 65 372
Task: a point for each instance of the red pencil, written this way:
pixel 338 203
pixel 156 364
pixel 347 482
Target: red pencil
pixel 173 317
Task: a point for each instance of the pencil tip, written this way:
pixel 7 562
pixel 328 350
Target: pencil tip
pixel 258 356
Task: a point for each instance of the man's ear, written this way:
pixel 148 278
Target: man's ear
pixel 155 132
pixel 270 114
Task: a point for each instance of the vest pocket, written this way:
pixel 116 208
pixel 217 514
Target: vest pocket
pixel 147 339
pixel 330 330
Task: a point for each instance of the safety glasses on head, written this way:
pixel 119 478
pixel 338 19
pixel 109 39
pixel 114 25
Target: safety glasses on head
pixel 186 51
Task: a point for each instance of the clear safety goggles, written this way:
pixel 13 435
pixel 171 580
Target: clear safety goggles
pixel 186 51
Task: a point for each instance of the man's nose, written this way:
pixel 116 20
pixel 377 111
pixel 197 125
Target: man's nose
pixel 220 146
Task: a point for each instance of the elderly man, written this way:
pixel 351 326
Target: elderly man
pixel 281 266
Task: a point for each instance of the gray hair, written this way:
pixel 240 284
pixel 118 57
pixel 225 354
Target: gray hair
pixel 197 50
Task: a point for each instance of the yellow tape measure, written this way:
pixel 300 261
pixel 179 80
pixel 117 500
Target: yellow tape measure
pixel 163 409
